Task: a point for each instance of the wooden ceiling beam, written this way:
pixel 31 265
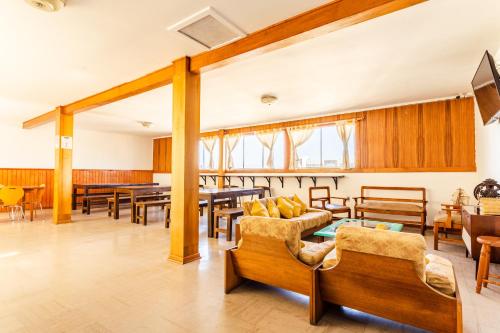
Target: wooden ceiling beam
pixel 330 17
pixel 333 16
pixel 145 83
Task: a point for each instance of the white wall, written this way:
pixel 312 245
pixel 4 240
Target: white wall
pixel 91 149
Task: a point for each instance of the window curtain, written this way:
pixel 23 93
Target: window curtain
pixel 297 136
pixel 230 143
pixel 268 140
pixel 209 144
pixel 344 130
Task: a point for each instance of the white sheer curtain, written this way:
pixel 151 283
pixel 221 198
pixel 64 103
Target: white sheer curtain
pixel 344 130
pixel 297 136
pixel 268 140
pixel 209 144
pixel 230 142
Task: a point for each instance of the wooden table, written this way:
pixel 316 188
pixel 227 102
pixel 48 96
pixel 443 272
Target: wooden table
pixel 31 191
pixel 133 192
pixel 212 194
pixel 87 187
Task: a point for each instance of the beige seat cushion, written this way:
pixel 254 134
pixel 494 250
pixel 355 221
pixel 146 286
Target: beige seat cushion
pixel 330 259
pixel 312 218
pixel 392 206
pixel 400 245
pixel 439 274
pixel 281 229
pixel 313 253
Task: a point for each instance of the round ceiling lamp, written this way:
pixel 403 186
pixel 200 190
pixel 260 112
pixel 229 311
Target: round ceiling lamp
pixel 47 5
pixel 268 99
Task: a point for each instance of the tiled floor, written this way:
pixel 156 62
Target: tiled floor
pixel 98 275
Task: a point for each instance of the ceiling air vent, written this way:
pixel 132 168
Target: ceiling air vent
pixel 208 28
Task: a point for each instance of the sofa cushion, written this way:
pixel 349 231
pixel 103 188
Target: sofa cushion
pixel 302 204
pixel 259 209
pixel 274 228
pixel 312 218
pixel 313 253
pixel 297 208
pixel 286 208
pixel 330 259
pixel 392 206
pixel 400 245
pixel 272 208
pixel 439 274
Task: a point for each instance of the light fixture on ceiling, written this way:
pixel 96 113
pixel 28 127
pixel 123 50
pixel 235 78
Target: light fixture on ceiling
pixel 47 5
pixel 145 124
pixel 268 99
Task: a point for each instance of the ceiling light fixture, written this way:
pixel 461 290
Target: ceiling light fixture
pixel 47 5
pixel 145 124
pixel 268 99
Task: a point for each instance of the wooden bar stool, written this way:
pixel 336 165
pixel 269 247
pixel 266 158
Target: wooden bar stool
pixel 230 214
pixel 483 273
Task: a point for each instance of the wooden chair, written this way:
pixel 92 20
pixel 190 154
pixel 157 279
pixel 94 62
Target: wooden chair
pixel 325 201
pixel 483 273
pixel 448 222
pixel 229 214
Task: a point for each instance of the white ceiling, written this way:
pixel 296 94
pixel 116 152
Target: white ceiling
pixel 50 59
pixel 427 51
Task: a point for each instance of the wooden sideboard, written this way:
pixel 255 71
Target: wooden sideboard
pixel 477 225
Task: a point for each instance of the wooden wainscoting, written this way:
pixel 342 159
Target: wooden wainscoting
pixel 16 176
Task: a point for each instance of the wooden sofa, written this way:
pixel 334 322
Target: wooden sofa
pixel 394 283
pixel 271 252
pixel 310 222
pixel 392 206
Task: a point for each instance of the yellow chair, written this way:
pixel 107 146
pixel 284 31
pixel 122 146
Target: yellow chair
pixel 10 196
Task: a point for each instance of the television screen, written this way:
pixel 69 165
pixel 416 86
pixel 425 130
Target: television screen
pixel 486 85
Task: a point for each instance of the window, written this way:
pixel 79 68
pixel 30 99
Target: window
pixel 249 153
pixel 324 149
pixel 204 154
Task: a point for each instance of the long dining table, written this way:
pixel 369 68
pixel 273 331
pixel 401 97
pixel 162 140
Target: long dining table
pixel 133 192
pixel 211 194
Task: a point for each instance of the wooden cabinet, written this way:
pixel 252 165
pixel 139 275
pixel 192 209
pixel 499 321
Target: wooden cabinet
pixel 162 155
pixel 478 225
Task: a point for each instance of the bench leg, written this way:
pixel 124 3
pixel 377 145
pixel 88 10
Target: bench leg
pixel 167 217
pixel 109 208
pixel 229 227
pixel 145 216
pixel 422 227
pixel 137 214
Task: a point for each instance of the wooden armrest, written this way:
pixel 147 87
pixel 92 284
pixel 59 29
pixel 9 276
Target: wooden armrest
pixel 356 199
pixel 344 199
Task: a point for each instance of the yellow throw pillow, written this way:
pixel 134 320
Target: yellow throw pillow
pixel 258 209
pixel 297 208
pixel 273 209
pixel 302 204
pixel 285 208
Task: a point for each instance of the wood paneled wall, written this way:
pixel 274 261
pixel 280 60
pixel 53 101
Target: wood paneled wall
pixel 162 155
pixel 433 137
pixel 20 177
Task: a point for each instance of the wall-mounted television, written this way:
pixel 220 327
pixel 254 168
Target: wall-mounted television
pixel 486 85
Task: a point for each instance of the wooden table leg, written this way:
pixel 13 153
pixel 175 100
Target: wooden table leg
pixel 132 207
pixel 73 198
pixel 210 216
pixel 32 205
pixel 116 209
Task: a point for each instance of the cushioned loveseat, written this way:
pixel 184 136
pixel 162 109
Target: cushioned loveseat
pixel 309 222
pixel 387 274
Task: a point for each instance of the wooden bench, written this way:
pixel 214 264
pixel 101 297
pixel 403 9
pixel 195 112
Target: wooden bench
pixel 392 206
pixel 126 200
pixel 229 214
pixel 144 205
pixel 94 199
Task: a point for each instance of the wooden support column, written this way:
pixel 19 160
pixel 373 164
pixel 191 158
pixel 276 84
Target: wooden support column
pixel 184 232
pixel 220 172
pixel 63 169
